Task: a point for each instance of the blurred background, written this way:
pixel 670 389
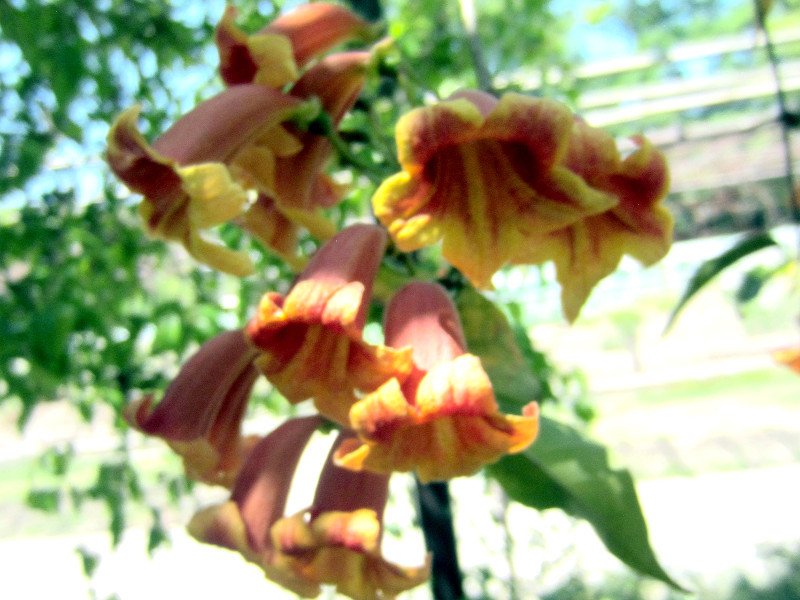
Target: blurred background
pixel 692 402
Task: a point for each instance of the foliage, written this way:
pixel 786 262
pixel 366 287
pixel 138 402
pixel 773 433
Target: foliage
pixel 713 267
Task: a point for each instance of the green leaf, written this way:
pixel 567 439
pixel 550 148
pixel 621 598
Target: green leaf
pixel 563 469
pixel 713 267
pixel 57 460
pixel 158 533
pixel 44 500
pixel 490 337
pixel 89 561
pixel 755 279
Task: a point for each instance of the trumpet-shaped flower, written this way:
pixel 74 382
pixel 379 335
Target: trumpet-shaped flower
pixel 275 55
pixel 586 251
pixel 337 540
pixel 486 177
pixel 201 413
pixel 206 168
pixel 258 500
pixel 310 341
pixel 185 176
pixel 443 420
pixel 294 180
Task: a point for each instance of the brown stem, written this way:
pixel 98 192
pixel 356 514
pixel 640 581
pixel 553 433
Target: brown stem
pixel 783 108
pixel 469 19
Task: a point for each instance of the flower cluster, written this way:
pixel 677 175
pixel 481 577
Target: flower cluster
pixel 514 180
pixel 240 156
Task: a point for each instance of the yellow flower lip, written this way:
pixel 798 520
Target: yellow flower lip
pixel 638 225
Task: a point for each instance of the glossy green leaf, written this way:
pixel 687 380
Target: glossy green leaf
pixel 563 469
pixel 713 267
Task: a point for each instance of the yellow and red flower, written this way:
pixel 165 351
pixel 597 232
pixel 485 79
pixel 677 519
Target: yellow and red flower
pixel 300 186
pixel 191 177
pixel 238 146
pixel 443 420
pixel 485 177
pixel 258 500
pixel 275 55
pixel 337 540
pixel 201 412
pixel 509 180
pixel 310 342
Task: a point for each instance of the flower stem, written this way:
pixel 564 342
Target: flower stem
pixel 324 124
pixel 469 19
pixel 440 539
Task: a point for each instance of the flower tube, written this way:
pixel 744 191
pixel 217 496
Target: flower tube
pixel 201 413
pixel 443 420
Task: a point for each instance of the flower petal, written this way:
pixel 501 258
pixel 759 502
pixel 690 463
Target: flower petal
pixel 314 28
pixel 339 548
pixel 589 250
pixel 274 55
pixel 262 58
pixel 452 428
pixel 201 413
